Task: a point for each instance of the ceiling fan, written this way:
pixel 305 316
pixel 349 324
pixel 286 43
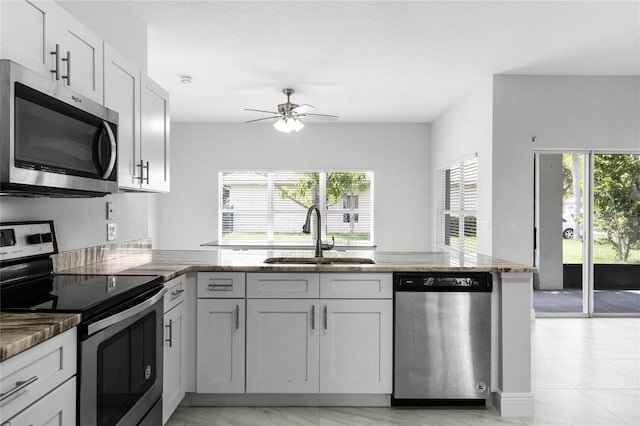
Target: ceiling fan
pixel 289 114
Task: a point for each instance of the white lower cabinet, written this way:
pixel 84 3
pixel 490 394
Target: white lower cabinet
pixel 282 346
pixel 174 346
pixel 221 337
pixel 33 376
pixel 57 408
pixel 356 346
pixel 173 387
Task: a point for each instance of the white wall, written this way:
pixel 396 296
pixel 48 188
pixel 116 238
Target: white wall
pixel 461 131
pixel 116 23
pixel 396 153
pixel 563 113
pixel 81 222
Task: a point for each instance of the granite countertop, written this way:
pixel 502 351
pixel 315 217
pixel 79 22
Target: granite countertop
pixel 22 330
pixel 172 263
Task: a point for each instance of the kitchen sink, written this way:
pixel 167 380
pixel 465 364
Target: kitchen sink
pixel 320 260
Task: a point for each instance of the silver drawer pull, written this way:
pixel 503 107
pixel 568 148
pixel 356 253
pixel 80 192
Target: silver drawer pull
pixel 20 386
pixel 177 292
pixel 220 287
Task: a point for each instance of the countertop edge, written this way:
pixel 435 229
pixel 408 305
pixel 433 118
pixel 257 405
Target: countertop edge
pixel 30 328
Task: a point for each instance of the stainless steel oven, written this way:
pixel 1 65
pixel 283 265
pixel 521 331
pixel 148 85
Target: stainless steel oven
pixel 54 141
pixel 120 345
pixel 121 365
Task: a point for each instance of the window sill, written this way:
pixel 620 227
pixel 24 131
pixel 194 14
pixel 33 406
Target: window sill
pixel 217 245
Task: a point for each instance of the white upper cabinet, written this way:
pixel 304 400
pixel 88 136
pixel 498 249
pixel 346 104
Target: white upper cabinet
pixel 154 137
pixel 41 36
pixel 26 33
pixel 122 94
pixel 80 56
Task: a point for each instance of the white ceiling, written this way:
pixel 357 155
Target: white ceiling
pixel 373 61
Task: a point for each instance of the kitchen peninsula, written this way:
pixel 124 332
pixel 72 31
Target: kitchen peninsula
pixel 511 301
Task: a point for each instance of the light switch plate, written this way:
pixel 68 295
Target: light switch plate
pixel 112 231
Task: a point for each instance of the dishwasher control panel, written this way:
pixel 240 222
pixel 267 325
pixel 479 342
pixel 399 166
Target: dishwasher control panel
pixel 479 281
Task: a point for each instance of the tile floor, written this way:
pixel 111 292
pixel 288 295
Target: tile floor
pixel 586 372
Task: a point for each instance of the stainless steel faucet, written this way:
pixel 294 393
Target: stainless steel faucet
pixel 306 228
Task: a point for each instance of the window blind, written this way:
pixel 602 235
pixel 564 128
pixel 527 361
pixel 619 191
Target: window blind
pixel 457 206
pixel 270 207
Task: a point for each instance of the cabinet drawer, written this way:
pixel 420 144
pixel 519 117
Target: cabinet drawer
pixel 221 284
pixel 43 367
pixel 356 286
pixel 175 292
pixel 57 408
pixel 283 285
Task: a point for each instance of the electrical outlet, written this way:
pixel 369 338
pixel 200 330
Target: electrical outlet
pixel 112 231
pixel 109 210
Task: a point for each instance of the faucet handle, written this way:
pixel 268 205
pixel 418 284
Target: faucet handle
pixel 329 246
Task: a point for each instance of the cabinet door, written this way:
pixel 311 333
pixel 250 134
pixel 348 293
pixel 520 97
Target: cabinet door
pixel 122 94
pixel 282 346
pixel 26 34
pixel 356 346
pixel 220 358
pixel 154 137
pixel 83 51
pixel 57 408
pixel 173 361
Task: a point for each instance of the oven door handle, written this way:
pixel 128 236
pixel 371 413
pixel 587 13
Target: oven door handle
pixel 128 313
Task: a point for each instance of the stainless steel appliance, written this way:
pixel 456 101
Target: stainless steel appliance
pixel 53 141
pixel 442 338
pixel 120 334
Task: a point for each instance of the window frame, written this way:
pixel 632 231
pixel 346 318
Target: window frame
pixel 271 211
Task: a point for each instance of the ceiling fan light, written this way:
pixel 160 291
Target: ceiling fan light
pixel 295 124
pixel 282 125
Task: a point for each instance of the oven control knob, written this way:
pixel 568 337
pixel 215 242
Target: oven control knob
pixel 147 372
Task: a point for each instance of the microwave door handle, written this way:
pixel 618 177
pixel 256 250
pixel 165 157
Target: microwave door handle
pixel 112 160
pixel 128 313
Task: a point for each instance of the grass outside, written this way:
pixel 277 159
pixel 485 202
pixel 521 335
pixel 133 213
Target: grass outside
pixel 603 252
pixel 291 236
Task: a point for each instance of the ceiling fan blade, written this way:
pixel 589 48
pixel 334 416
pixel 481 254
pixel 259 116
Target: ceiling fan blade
pixel 320 116
pixel 302 109
pixel 261 110
pixel 260 119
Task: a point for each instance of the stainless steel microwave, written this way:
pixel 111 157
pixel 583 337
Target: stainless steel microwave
pixel 53 141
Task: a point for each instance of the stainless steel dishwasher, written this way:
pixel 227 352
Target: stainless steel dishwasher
pixel 442 338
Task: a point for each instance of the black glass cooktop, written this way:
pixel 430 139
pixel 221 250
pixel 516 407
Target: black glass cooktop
pixel 85 294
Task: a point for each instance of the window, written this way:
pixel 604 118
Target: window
pixel 458 206
pixel 271 207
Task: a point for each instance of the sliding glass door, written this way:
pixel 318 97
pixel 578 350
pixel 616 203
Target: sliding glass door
pixel 616 236
pixel 587 222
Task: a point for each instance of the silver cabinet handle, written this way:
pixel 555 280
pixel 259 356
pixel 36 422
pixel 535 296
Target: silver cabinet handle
pixel 325 317
pixel 56 70
pixel 68 61
pixel 170 339
pixel 237 317
pixel 220 287
pixel 313 317
pixel 20 386
pixel 177 293
pixel 114 150
pixel 142 167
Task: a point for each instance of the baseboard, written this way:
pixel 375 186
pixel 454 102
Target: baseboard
pixel 514 404
pixel 316 400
